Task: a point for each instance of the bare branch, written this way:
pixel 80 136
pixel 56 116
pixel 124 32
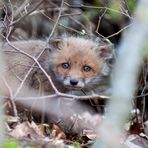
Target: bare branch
pixel 95 7
pixel 11 97
pixel 56 23
pixel 21 8
pixel 29 12
pixel 66 96
pixel 121 30
pixel 99 21
pixel 68 28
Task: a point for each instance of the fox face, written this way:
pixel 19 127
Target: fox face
pixel 78 63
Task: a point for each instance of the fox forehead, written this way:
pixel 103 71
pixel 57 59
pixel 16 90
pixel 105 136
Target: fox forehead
pixel 73 46
pixel 83 43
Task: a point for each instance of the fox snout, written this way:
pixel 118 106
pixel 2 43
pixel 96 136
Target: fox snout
pixel 74 82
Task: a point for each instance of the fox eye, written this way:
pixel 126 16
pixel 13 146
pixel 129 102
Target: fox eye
pixel 86 68
pixel 65 65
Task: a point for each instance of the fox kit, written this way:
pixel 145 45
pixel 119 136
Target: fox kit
pixel 73 63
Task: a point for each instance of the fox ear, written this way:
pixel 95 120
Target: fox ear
pixel 56 43
pixel 105 51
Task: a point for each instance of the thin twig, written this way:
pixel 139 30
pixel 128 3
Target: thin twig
pixel 11 97
pixel 99 21
pixel 11 20
pixel 126 8
pixel 66 96
pixel 79 23
pixel 68 28
pixel 95 7
pixel 71 14
pixel 56 23
pixel 29 12
pixel 21 8
pixel 116 33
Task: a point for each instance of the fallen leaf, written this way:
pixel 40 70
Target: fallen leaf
pixel 27 129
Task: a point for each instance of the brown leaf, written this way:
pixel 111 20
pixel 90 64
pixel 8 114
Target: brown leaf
pixel 53 130
pixel 90 134
pixel 136 127
pixel 27 129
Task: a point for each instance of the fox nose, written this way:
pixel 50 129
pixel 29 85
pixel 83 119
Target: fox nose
pixel 73 82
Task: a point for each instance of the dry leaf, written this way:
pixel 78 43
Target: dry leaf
pixel 90 134
pixel 27 129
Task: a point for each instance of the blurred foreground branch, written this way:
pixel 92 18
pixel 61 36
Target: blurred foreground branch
pixel 1 108
pixel 124 80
